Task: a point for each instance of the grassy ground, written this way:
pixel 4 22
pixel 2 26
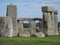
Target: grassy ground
pixel 50 40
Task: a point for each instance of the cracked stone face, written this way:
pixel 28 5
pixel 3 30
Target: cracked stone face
pixel 2 25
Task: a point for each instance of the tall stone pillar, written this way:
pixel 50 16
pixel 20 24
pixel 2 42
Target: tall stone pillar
pixel 45 23
pixel 50 24
pixel 20 28
pixel 56 22
pixel 49 20
pixel 12 13
pixel 32 27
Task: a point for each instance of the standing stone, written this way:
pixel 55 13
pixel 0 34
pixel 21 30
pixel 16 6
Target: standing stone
pixel 56 22
pixel 32 27
pixel 12 13
pixel 45 27
pixel 2 26
pixel 20 28
pixel 50 24
pixel 8 32
pixel 49 21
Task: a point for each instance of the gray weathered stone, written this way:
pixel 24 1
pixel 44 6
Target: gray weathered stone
pixel 20 28
pixel 39 34
pixel 49 21
pixel 32 27
pixel 8 27
pixel 47 8
pixel 56 22
pixel 12 13
pixel 2 26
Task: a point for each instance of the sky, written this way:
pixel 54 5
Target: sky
pixel 29 8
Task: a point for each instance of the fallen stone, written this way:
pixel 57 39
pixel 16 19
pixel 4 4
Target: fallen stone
pixel 40 34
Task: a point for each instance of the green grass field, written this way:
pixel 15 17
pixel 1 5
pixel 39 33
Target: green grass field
pixel 50 40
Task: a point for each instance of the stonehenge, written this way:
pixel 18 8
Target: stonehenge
pixel 12 26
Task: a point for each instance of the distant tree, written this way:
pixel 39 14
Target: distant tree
pixel 58 24
pixel 25 25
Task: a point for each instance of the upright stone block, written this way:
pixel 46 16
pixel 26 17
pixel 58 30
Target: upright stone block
pixel 8 32
pixel 2 26
pixel 12 13
pixel 20 28
pixel 32 27
pixel 56 22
